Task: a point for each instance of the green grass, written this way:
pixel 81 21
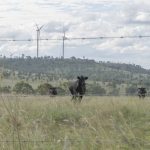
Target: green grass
pixel 107 123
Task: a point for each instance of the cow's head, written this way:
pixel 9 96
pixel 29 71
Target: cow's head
pixel 142 90
pixel 81 84
pixel 52 91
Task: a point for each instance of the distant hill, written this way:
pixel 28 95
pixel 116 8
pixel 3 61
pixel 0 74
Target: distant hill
pixel 127 67
pixel 72 67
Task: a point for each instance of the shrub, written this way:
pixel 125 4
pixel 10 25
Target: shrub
pixel 43 88
pixel 95 89
pixel 131 90
pixel 5 89
pixel 23 88
pixel 114 92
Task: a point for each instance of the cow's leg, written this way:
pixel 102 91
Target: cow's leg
pixel 139 96
pixel 72 91
pixel 80 96
pixel 143 96
pixel 77 98
pixel 74 97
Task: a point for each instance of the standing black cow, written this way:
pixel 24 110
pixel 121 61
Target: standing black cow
pixel 142 92
pixel 78 88
pixel 52 91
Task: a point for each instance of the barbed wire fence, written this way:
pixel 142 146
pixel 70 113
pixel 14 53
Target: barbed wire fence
pixel 76 38
pixel 67 38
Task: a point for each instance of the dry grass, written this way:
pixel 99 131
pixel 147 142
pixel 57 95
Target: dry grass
pixel 97 123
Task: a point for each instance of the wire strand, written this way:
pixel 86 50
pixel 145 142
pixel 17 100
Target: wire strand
pixel 77 38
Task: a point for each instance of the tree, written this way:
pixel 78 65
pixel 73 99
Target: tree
pixel 23 88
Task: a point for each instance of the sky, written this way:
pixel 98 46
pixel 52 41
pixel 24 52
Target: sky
pixel 79 18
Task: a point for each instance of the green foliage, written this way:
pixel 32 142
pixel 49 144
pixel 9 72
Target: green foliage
pixel 23 88
pixel 114 92
pixel 54 69
pixel 113 78
pixel 95 89
pixel 5 89
pixel 6 74
pixel 131 90
pixel 43 88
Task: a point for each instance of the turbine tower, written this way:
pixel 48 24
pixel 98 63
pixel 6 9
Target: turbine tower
pixel 64 38
pixel 38 37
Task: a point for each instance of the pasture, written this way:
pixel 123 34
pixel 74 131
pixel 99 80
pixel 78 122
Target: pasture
pixel 55 123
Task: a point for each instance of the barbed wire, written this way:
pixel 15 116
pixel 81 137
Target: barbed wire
pixel 70 139
pixel 47 141
pixel 69 95
pixel 96 139
pixel 76 38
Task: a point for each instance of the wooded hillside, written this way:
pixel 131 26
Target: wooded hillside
pixel 104 77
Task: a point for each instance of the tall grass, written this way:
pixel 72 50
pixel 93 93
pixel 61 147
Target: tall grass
pixel 45 123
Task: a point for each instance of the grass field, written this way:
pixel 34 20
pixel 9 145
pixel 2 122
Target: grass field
pixel 48 123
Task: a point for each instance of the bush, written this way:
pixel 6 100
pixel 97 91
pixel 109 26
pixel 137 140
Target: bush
pixel 95 89
pixel 114 92
pixel 5 89
pixel 23 88
pixel 6 74
pixel 131 90
pixel 44 88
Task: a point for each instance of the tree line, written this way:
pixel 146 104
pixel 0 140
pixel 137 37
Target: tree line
pixel 105 78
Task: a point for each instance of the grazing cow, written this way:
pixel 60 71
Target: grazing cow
pixel 142 92
pixel 78 88
pixel 52 91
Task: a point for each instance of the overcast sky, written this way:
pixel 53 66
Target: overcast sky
pixel 80 18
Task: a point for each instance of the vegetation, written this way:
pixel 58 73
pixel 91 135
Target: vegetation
pixel 56 68
pixel 131 90
pixel 43 122
pixel 56 123
pixel 43 88
pixel 23 88
pixel 95 89
pixel 5 89
pixel 105 78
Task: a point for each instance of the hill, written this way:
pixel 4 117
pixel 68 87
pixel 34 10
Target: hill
pixel 72 67
pixel 105 78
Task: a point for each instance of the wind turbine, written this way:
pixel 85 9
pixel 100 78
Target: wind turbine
pixel 64 38
pixel 38 37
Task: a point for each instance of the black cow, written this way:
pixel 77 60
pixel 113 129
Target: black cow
pixel 78 88
pixel 142 92
pixel 52 91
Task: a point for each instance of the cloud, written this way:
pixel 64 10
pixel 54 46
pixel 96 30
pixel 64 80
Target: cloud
pixel 80 19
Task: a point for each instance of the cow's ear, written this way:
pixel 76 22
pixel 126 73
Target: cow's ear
pixel 85 78
pixel 78 77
